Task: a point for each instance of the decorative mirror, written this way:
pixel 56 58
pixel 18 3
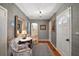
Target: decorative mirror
pixel 18 26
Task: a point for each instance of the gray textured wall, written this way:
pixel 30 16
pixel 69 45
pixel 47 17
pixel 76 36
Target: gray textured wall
pixel 43 34
pixel 52 34
pixel 53 38
pixel 75 26
pixel 12 11
pixel 28 26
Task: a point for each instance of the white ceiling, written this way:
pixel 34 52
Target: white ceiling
pixel 32 10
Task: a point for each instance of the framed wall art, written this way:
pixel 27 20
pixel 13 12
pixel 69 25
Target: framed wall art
pixel 42 27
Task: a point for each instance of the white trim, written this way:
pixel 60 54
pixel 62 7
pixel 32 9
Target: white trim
pixel 56 48
pixel 70 31
pixel 1 7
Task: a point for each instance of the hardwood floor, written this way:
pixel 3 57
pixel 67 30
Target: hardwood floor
pixel 53 49
pixel 41 49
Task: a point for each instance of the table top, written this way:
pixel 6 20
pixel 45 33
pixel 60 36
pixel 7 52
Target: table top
pixel 27 39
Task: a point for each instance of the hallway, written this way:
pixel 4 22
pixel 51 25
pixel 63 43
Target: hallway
pixel 39 29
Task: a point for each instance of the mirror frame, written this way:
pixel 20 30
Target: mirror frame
pixel 16 26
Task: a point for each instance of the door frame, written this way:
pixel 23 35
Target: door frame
pixel 70 43
pixel 31 28
pixel 6 14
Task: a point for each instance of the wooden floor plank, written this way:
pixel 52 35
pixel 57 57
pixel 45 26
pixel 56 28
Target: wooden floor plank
pixel 52 48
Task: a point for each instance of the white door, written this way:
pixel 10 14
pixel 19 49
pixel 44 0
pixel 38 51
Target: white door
pixel 64 32
pixel 59 32
pixel 3 31
pixel 34 30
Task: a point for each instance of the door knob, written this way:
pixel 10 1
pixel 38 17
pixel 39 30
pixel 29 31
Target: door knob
pixel 67 39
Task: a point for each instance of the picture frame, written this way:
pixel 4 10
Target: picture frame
pixel 42 27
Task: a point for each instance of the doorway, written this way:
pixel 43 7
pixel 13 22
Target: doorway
pixel 34 32
pixel 64 32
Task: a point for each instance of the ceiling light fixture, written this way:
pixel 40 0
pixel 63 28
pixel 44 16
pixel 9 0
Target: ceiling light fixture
pixel 40 13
